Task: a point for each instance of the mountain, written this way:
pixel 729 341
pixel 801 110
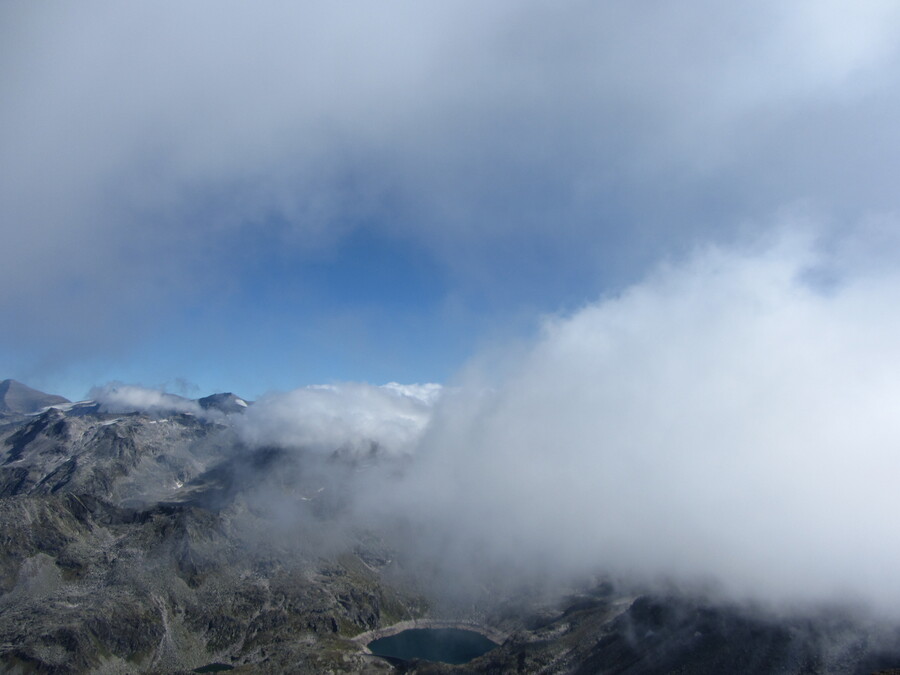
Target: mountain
pixel 162 543
pixel 159 543
pixel 17 398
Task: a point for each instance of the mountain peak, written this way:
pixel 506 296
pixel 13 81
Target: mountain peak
pixel 16 397
pixel 225 402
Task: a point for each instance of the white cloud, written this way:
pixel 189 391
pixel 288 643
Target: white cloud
pixel 427 393
pixel 724 422
pixel 116 397
pixel 354 420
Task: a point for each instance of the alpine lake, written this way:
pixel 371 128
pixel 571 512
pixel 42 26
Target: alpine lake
pixel 446 645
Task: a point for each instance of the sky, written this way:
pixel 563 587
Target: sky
pixel 230 197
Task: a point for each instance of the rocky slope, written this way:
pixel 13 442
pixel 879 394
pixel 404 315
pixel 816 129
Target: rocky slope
pixel 125 548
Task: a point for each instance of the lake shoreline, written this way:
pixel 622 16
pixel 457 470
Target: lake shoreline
pixel 363 639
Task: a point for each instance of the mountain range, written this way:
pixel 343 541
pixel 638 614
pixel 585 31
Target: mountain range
pixel 135 542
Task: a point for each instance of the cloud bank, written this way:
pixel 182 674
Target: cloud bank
pixel 727 424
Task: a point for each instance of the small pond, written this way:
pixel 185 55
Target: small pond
pixel 447 645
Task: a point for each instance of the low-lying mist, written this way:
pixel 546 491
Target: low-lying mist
pixel 729 424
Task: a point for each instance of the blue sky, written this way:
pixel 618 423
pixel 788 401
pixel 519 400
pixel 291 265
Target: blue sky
pixel 236 197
